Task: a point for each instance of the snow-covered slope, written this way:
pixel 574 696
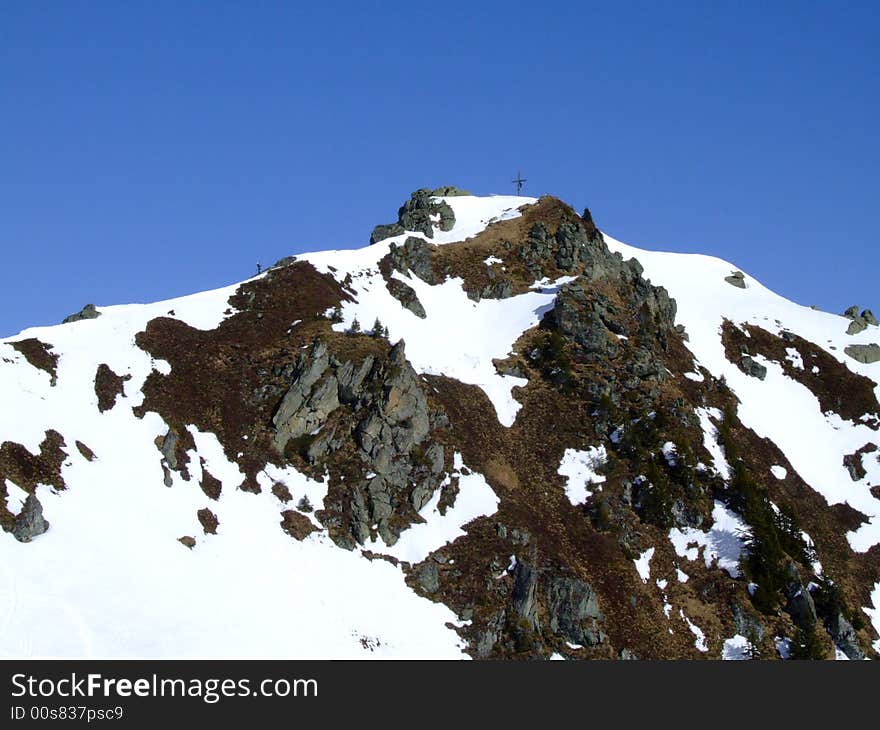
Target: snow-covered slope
pixel 111 579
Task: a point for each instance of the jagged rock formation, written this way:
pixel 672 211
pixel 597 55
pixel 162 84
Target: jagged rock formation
pixel 737 279
pixel 420 213
pixel 864 353
pixel 89 311
pixel 30 521
pixel 385 418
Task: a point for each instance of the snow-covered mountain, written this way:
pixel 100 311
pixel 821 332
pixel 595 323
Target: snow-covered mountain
pixel 492 432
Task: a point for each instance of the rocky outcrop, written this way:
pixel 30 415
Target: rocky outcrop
pixel 87 312
pixel 421 213
pixel 737 279
pixel 378 407
pixel 407 296
pixel 859 322
pixel 799 603
pixel 546 607
pixel 448 191
pixel 866 354
pixel 413 256
pixel 753 368
pixel 844 636
pixel 574 244
pixel 29 523
pixel 573 609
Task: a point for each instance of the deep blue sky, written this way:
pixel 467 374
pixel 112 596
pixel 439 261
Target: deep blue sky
pixel 153 149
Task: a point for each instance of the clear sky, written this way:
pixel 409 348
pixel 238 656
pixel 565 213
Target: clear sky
pixel 153 149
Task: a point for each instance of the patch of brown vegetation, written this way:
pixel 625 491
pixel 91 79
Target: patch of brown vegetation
pixel 188 541
pixel 208 521
pixel 210 484
pixel 87 453
pixel 838 389
pixel 296 525
pixel 108 386
pixel 281 492
pixel 39 355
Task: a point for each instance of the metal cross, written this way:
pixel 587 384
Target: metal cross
pixel 520 180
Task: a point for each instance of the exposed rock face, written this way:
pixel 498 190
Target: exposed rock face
pixel 414 256
pixel 448 191
pixel 384 412
pixel 548 606
pixel 30 521
pixel 866 354
pixel 800 605
pixel 737 279
pixel 747 624
pixel 574 611
pixel 407 296
pixel 856 326
pixel 753 368
pixel 844 636
pixel 87 312
pixel 422 212
pixel 869 317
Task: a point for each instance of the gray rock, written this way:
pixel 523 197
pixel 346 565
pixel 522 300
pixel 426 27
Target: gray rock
pixel 753 368
pixel 573 608
pixel 844 636
pixel 422 212
pixel 799 605
pixel 853 464
pixel 523 600
pixel 737 279
pixel 852 312
pixel 169 448
pixel 747 624
pixel 866 354
pixel 869 317
pixel 29 523
pixel 415 256
pixel 448 191
pixel 407 296
pixel 686 515
pixel 381 232
pixel 87 312
pixel 429 577
pixel 282 262
pixel 856 325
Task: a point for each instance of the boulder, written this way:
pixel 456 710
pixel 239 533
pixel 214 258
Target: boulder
pixel 737 279
pixel 852 312
pixel 866 354
pixel 869 317
pixel 753 368
pixel 29 523
pixel 87 312
pixel 448 191
pixel 381 232
pixel 856 325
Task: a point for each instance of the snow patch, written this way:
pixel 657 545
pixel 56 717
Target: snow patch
pixel 580 470
pixel 723 542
